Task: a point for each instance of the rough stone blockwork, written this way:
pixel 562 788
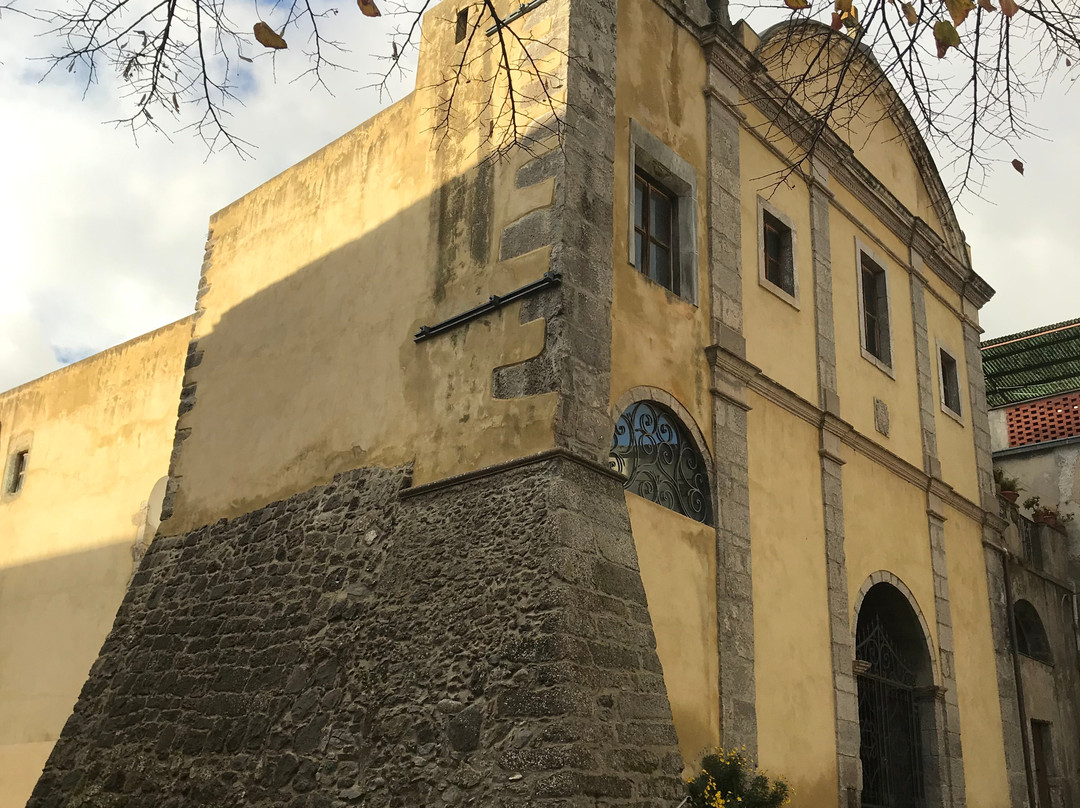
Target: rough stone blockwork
pixel 485 644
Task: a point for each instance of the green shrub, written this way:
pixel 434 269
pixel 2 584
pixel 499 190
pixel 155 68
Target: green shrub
pixel 732 780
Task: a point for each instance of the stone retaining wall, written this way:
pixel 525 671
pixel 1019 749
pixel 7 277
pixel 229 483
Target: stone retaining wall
pixel 486 642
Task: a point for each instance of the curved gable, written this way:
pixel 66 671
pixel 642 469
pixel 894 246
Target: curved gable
pixel 873 121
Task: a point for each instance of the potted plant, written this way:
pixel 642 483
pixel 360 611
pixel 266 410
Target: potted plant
pixel 1008 487
pixel 1045 515
pixel 732 780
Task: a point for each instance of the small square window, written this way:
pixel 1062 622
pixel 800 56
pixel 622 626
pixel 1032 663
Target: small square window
pixel 874 305
pixel 655 229
pixel 950 381
pixel 17 472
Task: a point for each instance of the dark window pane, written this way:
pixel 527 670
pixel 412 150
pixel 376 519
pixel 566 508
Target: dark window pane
pixel 659 264
pixel 639 203
pixel 660 224
pixel 875 310
pixel 950 382
pixel 639 250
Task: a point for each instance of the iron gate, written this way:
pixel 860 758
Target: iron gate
pixel 891 751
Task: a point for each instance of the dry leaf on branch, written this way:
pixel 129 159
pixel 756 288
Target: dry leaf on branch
pixel 797 5
pixel 946 37
pixel 1009 7
pixel 959 9
pixel 267 38
pixel 1018 166
pixel 910 14
pixel 986 5
pixel 369 8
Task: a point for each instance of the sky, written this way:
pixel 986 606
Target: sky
pixel 101 237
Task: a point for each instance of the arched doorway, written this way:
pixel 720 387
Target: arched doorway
pixel 893 669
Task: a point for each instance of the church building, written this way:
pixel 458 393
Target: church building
pixel 561 422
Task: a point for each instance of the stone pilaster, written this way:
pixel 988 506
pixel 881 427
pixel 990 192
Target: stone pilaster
pixel 945 750
pixel 951 768
pixel 845 690
pixel 923 360
pixel 734 583
pixel 583 232
pixel 995 571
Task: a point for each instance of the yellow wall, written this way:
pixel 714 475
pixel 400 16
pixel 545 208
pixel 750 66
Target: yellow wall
pixel 792 658
pixel 317 282
pixel 780 339
pixel 955 441
pixel 677 558
pixel 859 381
pixel 885 528
pixel 976 677
pixel 100 434
pixel 657 338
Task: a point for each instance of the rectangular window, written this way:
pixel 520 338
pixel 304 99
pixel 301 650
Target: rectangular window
pixel 950 382
pixel 18 472
pixel 1042 760
pixel 874 300
pixel 778 258
pixel 654 232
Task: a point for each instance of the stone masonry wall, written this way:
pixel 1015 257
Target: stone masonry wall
pixel 482 643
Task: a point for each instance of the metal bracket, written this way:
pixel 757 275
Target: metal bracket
pixel 522 10
pixel 494 303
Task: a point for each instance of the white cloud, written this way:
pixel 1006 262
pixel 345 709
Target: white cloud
pixel 102 239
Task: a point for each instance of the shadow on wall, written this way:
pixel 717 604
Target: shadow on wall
pixel 318 372
pixel 54 616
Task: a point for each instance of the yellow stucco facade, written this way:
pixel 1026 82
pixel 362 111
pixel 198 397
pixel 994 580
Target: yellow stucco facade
pixel 838 485
pixel 98 435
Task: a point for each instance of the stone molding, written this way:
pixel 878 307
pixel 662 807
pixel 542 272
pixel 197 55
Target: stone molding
pixel 776 393
pixel 887 577
pixel 731 475
pixel 646 392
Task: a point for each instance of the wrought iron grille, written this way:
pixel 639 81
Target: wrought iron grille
pixel 654 451
pixel 891 751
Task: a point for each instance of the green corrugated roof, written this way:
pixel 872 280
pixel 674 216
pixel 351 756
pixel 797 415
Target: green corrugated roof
pixel 1032 364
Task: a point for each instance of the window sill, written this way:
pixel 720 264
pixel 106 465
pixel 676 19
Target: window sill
pixel 949 411
pixel 873 360
pixel 769 286
pixel 1047 662
pixel 672 296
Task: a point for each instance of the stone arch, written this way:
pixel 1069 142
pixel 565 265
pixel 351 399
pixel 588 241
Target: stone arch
pixel 1031 638
pixel 681 480
pixel 647 393
pixel 886 577
pixel 902 752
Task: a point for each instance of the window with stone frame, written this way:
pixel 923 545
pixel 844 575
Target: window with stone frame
pixel 950 381
pixel 662 233
pixel 777 252
pixel 874 310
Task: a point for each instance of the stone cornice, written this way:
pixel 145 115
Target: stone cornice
pixel 740 371
pixel 948 259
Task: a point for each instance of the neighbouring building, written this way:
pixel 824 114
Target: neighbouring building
pixel 1033 396
pixel 85 459
pixel 525 480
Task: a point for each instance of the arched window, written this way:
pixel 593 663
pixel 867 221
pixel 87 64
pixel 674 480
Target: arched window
pixel 656 454
pixel 1030 635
